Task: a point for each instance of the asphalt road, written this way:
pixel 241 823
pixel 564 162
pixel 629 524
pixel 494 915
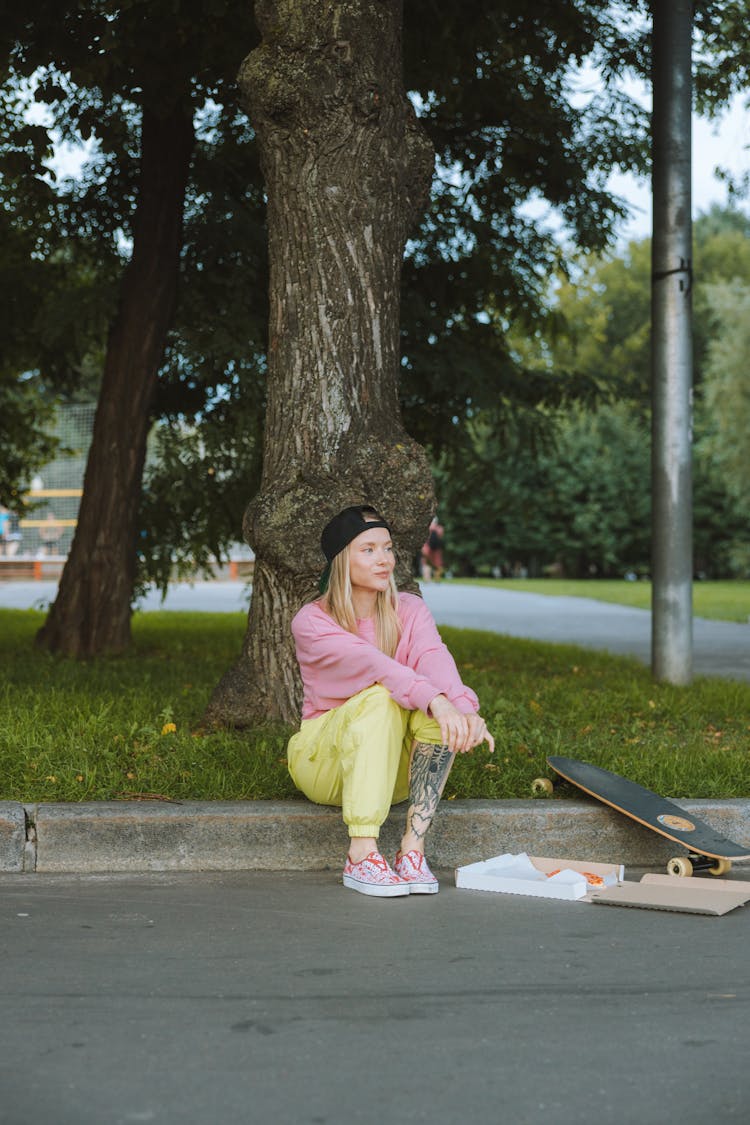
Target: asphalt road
pixel 720 648
pixel 259 998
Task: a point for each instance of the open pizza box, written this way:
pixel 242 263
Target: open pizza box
pixel 538 876
pixel 601 883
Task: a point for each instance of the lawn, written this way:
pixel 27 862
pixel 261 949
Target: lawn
pixel 129 727
pixel 721 601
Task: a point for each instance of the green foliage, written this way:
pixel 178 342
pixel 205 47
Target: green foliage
pixel 103 730
pixel 91 69
pixel 581 503
pixel 601 322
pixel 493 88
pixel 43 319
pixel 721 53
pixel 579 498
pixel 726 390
pixel 725 406
pixel 205 456
pixel 196 487
pixel 600 315
pixel 26 444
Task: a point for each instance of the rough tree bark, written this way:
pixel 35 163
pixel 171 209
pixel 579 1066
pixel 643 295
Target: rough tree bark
pixel 347 170
pixel 91 615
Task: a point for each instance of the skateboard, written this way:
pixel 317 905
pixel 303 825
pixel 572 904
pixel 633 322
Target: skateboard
pixel 707 849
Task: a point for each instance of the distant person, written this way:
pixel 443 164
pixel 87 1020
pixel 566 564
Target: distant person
pixel 4 527
pixel 432 551
pixel 384 711
pixel 50 534
pixel 13 535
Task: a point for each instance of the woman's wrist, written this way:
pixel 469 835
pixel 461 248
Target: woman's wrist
pixel 440 700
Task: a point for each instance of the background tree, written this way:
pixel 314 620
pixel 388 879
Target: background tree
pixel 141 81
pixel 347 171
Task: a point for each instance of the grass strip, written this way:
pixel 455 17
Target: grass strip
pixel 129 727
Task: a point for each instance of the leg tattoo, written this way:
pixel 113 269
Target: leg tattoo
pixel 430 766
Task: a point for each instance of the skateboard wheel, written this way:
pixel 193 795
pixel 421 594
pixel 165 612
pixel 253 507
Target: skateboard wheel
pixel 542 787
pixel 720 867
pixel 680 866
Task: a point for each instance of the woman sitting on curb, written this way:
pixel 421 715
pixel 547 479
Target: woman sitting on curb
pixel 384 710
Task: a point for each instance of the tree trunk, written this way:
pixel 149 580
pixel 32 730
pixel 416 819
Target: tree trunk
pixel 347 172
pixel 91 615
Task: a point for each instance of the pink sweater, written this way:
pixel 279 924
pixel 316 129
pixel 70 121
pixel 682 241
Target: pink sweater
pixel 336 664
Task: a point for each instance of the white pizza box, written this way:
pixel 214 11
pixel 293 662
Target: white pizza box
pixel 542 877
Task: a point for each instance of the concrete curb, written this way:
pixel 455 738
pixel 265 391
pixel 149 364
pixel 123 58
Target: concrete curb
pixel 294 835
pixel 13 835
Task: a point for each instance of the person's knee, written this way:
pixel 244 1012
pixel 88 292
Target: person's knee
pixel 375 724
pixel 375 704
pixel 423 728
pixel 375 696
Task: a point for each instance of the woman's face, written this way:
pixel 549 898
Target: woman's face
pixel 371 560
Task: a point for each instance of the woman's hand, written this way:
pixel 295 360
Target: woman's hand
pixel 459 732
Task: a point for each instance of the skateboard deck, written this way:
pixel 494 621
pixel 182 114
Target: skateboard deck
pixel 707 849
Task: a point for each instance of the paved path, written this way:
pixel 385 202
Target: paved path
pixel 253 998
pixel 720 648
pixel 210 597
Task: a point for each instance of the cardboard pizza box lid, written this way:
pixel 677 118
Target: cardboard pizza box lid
pixel 711 883
pixel 679 896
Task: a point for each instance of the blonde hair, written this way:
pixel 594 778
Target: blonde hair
pixel 338 602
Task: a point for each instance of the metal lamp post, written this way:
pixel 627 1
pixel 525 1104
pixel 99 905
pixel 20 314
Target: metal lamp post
pixel 671 355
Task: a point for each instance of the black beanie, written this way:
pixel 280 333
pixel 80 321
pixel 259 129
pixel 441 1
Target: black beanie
pixel 344 527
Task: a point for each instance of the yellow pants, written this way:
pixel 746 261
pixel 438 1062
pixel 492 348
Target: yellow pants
pixel 357 756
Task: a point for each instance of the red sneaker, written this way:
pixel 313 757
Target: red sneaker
pixel 412 867
pixel 373 876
